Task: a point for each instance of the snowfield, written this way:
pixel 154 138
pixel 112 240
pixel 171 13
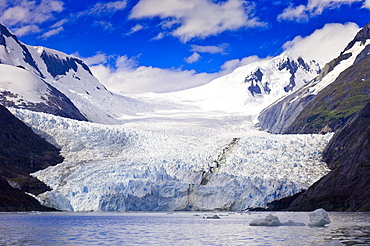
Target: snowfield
pixel 158 164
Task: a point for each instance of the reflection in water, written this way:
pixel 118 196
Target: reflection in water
pixel 176 229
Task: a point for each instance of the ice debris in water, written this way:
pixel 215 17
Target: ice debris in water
pixel 319 218
pixel 270 220
pixel 293 223
pixel 215 216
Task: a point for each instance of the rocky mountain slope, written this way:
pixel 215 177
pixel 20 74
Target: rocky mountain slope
pixel 328 101
pixel 22 152
pixel 347 186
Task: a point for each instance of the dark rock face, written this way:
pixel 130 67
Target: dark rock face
pixel 362 36
pixel 22 152
pixel 15 200
pixel 253 79
pixel 57 104
pixel 347 186
pixel 58 66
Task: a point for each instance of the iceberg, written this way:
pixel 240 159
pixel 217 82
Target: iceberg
pixel 215 216
pixel 319 218
pixel 270 220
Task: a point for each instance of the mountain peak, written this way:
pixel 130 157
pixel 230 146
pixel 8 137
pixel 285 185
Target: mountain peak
pixel 361 36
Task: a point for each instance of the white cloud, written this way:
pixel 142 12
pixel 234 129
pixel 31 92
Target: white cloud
pixel 323 44
pixel 59 23
pixel 294 13
pixel 231 65
pixel 193 58
pixel 99 58
pixel 52 32
pixel 100 9
pixel 135 28
pixel 25 30
pixel 366 4
pixel 103 24
pixel 313 8
pixel 190 19
pixel 159 36
pixel 29 12
pixel 212 49
pixel 148 79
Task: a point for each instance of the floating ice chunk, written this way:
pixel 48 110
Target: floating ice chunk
pixel 319 217
pixel 215 216
pixel 293 223
pixel 270 220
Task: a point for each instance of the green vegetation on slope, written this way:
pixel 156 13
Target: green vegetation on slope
pixel 337 103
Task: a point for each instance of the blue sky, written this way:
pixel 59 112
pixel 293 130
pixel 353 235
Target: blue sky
pixel 166 45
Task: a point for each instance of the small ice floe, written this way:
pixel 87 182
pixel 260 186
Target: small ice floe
pixel 319 218
pixel 272 220
pixel 215 216
pixel 293 223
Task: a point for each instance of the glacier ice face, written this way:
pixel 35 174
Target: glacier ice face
pixel 179 164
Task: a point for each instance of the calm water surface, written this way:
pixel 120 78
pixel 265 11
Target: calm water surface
pixel 182 228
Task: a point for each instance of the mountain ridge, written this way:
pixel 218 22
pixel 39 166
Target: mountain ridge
pixel 280 116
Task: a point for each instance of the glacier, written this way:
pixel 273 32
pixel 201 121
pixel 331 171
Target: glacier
pixel 156 164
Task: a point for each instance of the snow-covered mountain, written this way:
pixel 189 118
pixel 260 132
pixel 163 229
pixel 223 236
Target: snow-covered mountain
pixel 245 91
pixel 56 83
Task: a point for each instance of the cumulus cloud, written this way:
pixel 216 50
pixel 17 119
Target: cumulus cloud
pixel 197 18
pixel 313 8
pixel 212 49
pixel 231 65
pixel 99 58
pixel 148 79
pixel 323 44
pixel 29 12
pixel 193 58
pixel 25 30
pixel 366 4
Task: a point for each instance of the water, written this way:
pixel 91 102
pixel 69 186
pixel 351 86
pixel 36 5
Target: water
pixel 182 228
